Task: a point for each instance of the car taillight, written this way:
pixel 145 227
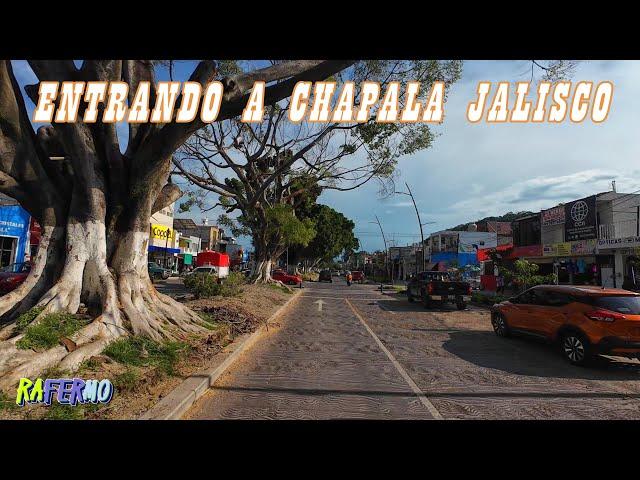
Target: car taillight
pixel 602 315
pixel 430 287
pixel 469 290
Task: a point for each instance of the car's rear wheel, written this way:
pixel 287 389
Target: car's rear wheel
pixel 461 305
pixel 500 326
pixel 409 297
pixel 575 348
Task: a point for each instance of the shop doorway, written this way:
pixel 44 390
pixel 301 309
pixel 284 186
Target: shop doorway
pixel 607 277
pixel 7 250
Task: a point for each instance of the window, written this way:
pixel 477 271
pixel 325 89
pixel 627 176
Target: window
pixel 627 304
pixel 558 299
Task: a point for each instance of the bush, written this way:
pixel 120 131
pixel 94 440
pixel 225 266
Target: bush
pixel 48 332
pixel 231 285
pixel 203 285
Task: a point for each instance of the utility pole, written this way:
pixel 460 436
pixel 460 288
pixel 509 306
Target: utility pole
pixel 420 224
pixel 386 250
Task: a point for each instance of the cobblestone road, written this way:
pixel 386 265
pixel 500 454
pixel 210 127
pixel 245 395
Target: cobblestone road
pixel 368 355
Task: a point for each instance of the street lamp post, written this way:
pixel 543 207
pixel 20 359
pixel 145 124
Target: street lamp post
pixel 410 194
pixel 386 250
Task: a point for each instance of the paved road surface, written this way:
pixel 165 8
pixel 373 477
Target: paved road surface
pixel 368 355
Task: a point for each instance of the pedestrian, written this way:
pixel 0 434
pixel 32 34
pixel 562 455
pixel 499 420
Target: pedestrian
pixel 349 279
pixel 500 284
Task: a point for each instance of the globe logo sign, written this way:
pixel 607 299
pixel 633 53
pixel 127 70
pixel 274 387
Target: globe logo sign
pixel 579 212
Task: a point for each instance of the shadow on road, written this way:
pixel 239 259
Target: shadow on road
pixel 403 305
pixel 523 356
pixel 431 394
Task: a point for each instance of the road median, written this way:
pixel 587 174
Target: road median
pixel 174 405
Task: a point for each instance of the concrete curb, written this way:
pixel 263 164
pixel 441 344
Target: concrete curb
pixel 182 398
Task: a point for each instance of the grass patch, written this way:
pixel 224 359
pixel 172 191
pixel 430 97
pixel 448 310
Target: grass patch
pixel 48 332
pixel 27 317
pixel 127 380
pixel 143 352
pixel 280 288
pixel 208 322
pixel 6 403
pixel 57 411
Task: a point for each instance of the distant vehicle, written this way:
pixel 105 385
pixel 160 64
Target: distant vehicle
pixel 156 272
pixel 358 276
pixel 432 287
pixel 208 270
pixel 325 276
pixel 584 321
pixel 286 278
pixel 13 275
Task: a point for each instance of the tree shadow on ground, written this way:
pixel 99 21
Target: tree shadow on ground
pixel 523 356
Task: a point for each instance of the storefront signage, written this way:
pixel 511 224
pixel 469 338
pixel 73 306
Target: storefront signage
pixel 567 249
pixel 580 219
pixel 627 242
pixel 553 216
pixel 161 232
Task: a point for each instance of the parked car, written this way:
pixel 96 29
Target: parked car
pixel 156 272
pixel 325 276
pixel 286 278
pixel 208 270
pixel 432 287
pixel 583 320
pixel 13 275
pixel 357 276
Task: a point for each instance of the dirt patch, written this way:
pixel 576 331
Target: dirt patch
pixel 138 388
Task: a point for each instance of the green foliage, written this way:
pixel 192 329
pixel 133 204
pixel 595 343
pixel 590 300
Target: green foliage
pixel 127 380
pixel 48 331
pixel 142 352
pixel 485 299
pixel 203 285
pixel 57 411
pixel 525 275
pixel 280 288
pixel 232 284
pixel 27 317
pixel 281 220
pixel 6 403
pixel 334 235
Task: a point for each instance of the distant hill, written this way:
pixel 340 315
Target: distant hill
pixel 507 217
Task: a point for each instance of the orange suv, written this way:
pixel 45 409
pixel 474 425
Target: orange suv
pixel 584 321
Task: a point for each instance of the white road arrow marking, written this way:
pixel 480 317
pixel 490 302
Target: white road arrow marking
pixel 320 303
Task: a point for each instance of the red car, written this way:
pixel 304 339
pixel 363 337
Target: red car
pixel 13 275
pixel 286 278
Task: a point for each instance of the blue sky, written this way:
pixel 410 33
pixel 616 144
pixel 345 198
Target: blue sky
pixel 476 170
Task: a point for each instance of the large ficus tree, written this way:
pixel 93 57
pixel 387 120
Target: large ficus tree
pixel 94 206
pixel 254 167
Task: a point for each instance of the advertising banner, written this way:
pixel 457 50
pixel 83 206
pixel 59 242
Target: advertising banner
pixel 470 242
pixel 161 232
pixel 580 219
pixel 14 222
pixel 567 249
pixel 553 216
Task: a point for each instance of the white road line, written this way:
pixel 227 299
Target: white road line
pixel 420 394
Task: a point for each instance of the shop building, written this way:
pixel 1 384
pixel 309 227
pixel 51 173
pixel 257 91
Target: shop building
pixel 14 232
pixel 209 234
pixel 459 248
pixel 619 237
pixel 189 248
pixel 163 241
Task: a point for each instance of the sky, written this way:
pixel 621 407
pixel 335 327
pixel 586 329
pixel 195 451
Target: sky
pixel 478 170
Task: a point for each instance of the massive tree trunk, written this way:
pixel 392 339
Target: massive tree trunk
pixel 95 207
